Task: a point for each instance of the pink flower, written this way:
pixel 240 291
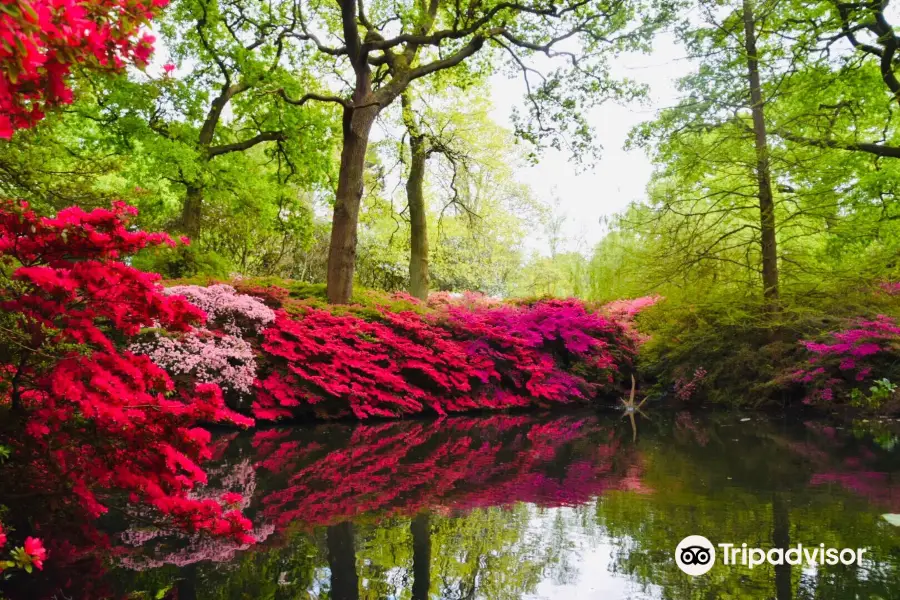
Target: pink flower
pixel 168 68
pixel 866 349
pixel 2 536
pixel 36 552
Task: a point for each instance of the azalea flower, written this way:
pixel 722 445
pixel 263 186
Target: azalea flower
pixel 232 498
pixel 36 552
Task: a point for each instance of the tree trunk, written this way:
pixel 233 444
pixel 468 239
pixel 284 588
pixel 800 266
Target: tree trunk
pixel 192 211
pixel 763 174
pixel 418 236
pixel 420 527
pixel 187 585
pixel 342 251
pixel 342 562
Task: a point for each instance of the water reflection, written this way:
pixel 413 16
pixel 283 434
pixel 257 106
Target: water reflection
pixel 509 507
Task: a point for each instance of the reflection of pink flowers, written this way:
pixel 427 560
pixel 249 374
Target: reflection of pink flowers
pixel 199 548
pixel 36 552
pixel 872 485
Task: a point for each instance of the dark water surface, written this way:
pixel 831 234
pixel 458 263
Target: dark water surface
pixel 505 507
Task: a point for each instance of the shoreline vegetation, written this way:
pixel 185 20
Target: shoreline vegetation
pixel 108 374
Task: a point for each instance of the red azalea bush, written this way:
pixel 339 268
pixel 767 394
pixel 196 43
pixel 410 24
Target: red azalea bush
pixel 455 359
pixel 89 423
pixel 843 360
pixel 40 41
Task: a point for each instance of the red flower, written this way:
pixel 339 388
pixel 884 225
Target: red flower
pixel 35 551
pixel 79 305
pixel 232 498
pixel 41 39
pixel 2 536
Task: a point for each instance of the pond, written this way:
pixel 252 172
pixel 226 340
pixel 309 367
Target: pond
pixel 571 506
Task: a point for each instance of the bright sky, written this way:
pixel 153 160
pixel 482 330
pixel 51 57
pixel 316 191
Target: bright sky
pixel 619 177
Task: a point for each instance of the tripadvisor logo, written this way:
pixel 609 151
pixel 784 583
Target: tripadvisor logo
pixel 696 555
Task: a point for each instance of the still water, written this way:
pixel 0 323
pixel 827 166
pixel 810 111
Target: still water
pixel 575 506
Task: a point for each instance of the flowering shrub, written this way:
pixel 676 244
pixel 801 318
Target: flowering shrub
pixel 93 423
pixel 454 360
pixel 686 388
pixel 625 312
pixel 205 356
pixel 236 313
pixel 848 357
pixel 27 557
pixel 42 39
pixel 628 309
pixel 890 288
pixel 464 299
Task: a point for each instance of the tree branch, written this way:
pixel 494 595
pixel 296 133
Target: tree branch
pixel 266 136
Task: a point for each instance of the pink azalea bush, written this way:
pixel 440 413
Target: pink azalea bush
pixel 224 307
pixel 206 356
pixel 686 388
pixel 844 359
pixel 220 353
pixel 891 288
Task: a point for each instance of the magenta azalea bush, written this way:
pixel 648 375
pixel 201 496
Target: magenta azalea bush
pixel 843 360
pixel 282 357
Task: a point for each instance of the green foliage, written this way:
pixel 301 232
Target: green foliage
pixel 748 351
pixel 183 261
pixel 879 393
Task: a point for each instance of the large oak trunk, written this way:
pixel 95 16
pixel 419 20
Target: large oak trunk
pixel 342 251
pixel 763 174
pixel 191 212
pixel 418 238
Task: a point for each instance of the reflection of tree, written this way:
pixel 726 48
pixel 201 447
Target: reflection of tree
pixel 420 529
pixel 342 562
pixel 781 538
